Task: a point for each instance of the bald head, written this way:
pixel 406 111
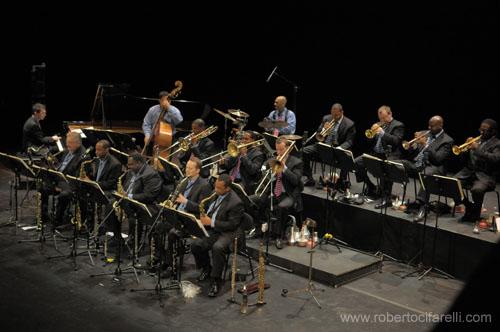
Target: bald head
pixel 436 124
pixel 280 103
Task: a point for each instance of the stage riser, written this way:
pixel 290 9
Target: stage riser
pixel 361 228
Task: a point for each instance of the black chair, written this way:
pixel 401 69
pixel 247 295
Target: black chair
pixel 245 226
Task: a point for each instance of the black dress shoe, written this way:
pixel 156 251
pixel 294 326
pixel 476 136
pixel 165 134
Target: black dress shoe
pixel 383 204
pixel 420 215
pixel 278 244
pixel 214 289
pixel 466 218
pixel 204 275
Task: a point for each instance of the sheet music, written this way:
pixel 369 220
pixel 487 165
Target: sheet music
pixel 59 146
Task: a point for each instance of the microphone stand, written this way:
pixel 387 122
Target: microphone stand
pixel 295 89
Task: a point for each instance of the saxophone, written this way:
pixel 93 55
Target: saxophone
pixel 119 189
pixel 262 270
pixel 170 201
pixel 204 201
pixel 83 173
pixel 233 270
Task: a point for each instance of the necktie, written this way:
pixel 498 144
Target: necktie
pixel 182 206
pixel 99 169
pixel 131 185
pixel 276 130
pixel 214 206
pixel 236 169
pixel 278 188
pixel 66 161
pixel 419 159
pixel 378 146
pixel 332 138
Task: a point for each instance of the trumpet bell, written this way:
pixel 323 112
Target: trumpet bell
pixel 369 133
pixel 456 150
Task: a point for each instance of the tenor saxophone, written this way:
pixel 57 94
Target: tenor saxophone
pixel 119 189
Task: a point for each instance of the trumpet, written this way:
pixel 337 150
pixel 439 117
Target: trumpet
pixel 458 149
pixel 407 145
pixel 233 150
pixel 276 166
pixel 327 128
pixel 370 133
pixel 186 142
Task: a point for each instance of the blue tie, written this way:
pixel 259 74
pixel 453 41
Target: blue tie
pixel 419 159
pixel 131 185
pixel 332 138
pixel 182 206
pixel 378 146
pixel 66 161
pixel 99 169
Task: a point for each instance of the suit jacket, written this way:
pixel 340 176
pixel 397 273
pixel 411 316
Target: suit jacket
pixel 230 213
pixel 33 134
pixel 250 168
pixel 147 185
pixel 292 180
pixel 205 148
pixel 109 175
pixel 391 141
pixel 436 154
pixel 199 191
pixel 345 134
pixel 484 161
pixel 73 167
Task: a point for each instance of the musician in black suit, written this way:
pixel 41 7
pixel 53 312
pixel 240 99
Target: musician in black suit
pixel 342 133
pixel 286 196
pixel 246 168
pixel 428 157
pixel 105 169
pixel 201 148
pixel 223 217
pixel 69 164
pixel 141 183
pixel 32 131
pixel 481 168
pixel 389 134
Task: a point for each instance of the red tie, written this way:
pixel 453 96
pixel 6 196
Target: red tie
pixel 236 169
pixel 278 189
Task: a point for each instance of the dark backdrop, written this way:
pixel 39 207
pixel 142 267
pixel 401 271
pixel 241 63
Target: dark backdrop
pixel 420 59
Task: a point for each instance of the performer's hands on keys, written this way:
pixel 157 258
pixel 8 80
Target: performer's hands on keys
pixel 422 140
pixel 56 138
pixel 181 199
pixel 474 145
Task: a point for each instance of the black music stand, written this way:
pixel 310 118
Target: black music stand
pixel 123 202
pixel 120 155
pixel 442 186
pixel 19 167
pixel 189 224
pixel 94 135
pixel 270 140
pixel 54 177
pixel 387 170
pixel 345 162
pixel 172 170
pixel 121 141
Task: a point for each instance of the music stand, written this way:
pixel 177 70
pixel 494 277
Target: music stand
pixel 121 156
pixel 345 162
pixel 442 186
pixel 172 170
pixel 53 177
pixel 123 202
pixel 19 167
pixel 380 169
pixel 94 135
pixel 121 141
pixel 270 141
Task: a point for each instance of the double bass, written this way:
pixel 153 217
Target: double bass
pixel 161 135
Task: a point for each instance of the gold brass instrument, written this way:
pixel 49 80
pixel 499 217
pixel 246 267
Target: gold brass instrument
pixel 261 272
pixel 458 149
pixel 119 189
pixel 83 173
pixel 233 270
pixel 370 133
pixel 276 166
pixel 233 150
pixel 185 143
pixel 407 145
pixel 170 201
pixel 327 128
pixel 244 301
pixel 204 201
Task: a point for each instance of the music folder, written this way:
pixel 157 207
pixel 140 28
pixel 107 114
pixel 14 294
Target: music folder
pixel 17 165
pixel 124 198
pixel 373 165
pixel 89 189
pixel 345 159
pixel 191 224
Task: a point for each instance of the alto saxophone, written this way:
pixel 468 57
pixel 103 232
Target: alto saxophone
pixel 119 189
pixel 204 201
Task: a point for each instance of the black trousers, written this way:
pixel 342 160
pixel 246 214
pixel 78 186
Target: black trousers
pixel 219 244
pixel 362 176
pixel 478 188
pixel 282 207
pixel 412 171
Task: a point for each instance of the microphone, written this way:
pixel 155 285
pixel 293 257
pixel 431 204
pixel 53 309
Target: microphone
pixel 271 75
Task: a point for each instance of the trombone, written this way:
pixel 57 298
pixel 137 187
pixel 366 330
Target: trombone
pixel 186 142
pixel 407 145
pixel 276 166
pixel 458 149
pixel 327 128
pixel 370 133
pixel 233 150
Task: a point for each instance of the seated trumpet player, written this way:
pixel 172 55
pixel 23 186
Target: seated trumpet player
pixel 141 183
pixel 286 180
pixel 201 146
pixel 223 217
pixel 386 136
pixel 244 161
pixel 482 160
pixel 335 130
pixel 69 164
pixel 105 169
pixel 428 152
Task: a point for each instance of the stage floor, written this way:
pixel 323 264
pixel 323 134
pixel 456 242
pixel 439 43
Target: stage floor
pixel 38 294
